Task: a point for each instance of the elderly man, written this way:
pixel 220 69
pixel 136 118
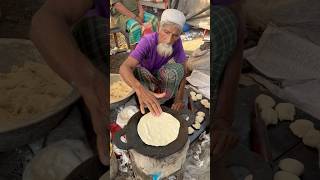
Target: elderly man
pixel 148 70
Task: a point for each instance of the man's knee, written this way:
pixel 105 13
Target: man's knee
pixel 173 74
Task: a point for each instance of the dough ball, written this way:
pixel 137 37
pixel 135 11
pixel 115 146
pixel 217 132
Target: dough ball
pixel 286 111
pixel 192 93
pixel 207 105
pixel 300 127
pixel 312 138
pixel 199 96
pixel 249 177
pixel 269 116
pixel 194 98
pixel 196 125
pixel 200 113
pixel 283 175
pixel 265 101
pixel 292 166
pixel 199 119
pixel 204 102
pixel 190 130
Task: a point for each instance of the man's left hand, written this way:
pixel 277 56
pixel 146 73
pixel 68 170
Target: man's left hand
pixel 177 105
pixel 224 138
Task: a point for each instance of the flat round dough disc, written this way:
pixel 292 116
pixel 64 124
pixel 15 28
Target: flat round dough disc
pixel 312 138
pixel 158 130
pixel 283 175
pixel 292 166
pixel 300 127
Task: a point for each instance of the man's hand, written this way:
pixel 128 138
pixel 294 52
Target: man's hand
pixel 149 99
pixel 94 95
pixel 224 138
pixel 177 105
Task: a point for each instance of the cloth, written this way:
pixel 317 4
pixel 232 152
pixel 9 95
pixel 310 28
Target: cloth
pixel 134 28
pixel 166 79
pixel 173 15
pixel 224 28
pixel 148 57
pixel 91 37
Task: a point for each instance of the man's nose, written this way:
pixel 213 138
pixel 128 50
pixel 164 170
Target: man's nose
pixel 169 40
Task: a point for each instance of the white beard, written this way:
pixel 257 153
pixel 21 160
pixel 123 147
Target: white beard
pixel 164 50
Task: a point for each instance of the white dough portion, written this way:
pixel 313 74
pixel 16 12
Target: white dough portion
pixel 204 102
pixel 283 175
pixel 312 138
pixel 194 98
pixel 196 125
pixel 286 111
pixel 192 93
pixel 200 113
pixel 269 116
pixel 300 127
pixel 158 131
pixel 199 119
pixel 190 130
pixel 265 101
pixel 199 96
pixel 292 166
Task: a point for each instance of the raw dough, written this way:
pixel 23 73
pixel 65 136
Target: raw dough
pixel 200 113
pixel 199 96
pixel 204 102
pixel 192 93
pixel 283 175
pixel 269 116
pixel 190 130
pixel 194 98
pixel 286 111
pixel 119 90
pixel 312 138
pixel 158 131
pixel 196 125
pixel 199 119
pixel 292 166
pixel 265 101
pixel 300 127
pixel 207 105
pixel 29 90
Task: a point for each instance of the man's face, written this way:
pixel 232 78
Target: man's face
pixel 168 34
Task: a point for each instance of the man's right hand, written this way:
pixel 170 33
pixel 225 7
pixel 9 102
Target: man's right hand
pixel 149 99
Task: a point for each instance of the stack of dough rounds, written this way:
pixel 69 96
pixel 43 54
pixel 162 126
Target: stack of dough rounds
pixel 196 125
pixel 158 130
pixel 265 101
pixel 286 111
pixel 190 130
pixel 292 166
pixel 300 127
pixel 312 138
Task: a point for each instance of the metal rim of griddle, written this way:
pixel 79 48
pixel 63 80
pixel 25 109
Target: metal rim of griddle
pixel 134 141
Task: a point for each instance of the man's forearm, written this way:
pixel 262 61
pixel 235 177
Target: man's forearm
pixel 228 89
pixel 123 10
pixel 141 10
pixel 127 75
pixel 52 36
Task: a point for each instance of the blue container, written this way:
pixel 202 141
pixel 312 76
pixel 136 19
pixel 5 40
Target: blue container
pixel 186 27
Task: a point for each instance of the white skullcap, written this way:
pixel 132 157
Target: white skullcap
pixel 174 16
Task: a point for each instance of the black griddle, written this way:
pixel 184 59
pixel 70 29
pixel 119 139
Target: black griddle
pixel 134 141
